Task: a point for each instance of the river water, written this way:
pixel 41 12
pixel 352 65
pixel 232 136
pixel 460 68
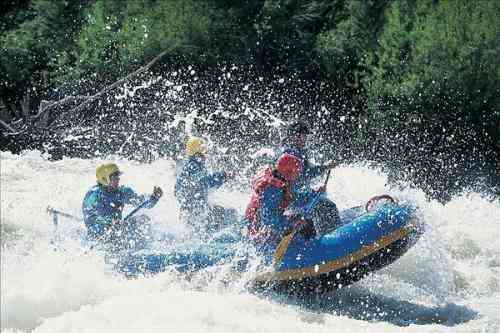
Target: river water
pixel 448 282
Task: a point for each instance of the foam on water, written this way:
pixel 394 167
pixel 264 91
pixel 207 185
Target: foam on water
pixel 449 282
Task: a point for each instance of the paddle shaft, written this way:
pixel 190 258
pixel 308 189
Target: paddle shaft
pixel 328 176
pixel 56 213
pixel 136 209
pixel 316 198
pixel 282 247
pixel 285 241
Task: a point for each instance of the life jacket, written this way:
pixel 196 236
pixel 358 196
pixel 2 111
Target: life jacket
pixel 259 185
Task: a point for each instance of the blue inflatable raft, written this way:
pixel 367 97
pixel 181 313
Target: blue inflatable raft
pixel 365 240
pixel 363 243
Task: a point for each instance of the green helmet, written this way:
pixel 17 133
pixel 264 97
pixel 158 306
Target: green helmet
pixel 104 171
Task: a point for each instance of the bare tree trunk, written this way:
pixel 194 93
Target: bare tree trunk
pixel 4 112
pixel 41 119
pixel 25 105
pixel 7 126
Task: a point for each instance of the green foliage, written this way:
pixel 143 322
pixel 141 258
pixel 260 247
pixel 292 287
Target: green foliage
pixel 287 32
pixel 442 58
pixel 347 48
pixel 175 25
pixel 120 34
pixel 39 36
pixel 13 14
pixel 97 42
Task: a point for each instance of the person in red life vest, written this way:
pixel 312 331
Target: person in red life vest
pixel 272 194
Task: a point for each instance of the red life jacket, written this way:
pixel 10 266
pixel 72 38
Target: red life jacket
pixel 259 185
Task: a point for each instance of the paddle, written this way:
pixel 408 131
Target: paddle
pixel 328 176
pixel 55 217
pixel 285 241
pixel 136 209
pixel 56 213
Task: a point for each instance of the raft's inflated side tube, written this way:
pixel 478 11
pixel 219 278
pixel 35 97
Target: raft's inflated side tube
pixel 360 246
pixel 185 257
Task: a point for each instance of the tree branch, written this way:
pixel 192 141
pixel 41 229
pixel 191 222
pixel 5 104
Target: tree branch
pixel 46 106
pixel 119 82
pixel 7 126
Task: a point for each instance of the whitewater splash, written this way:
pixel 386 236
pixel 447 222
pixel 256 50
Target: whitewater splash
pixel 449 282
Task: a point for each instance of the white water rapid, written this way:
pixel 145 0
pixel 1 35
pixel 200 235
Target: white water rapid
pixel 448 282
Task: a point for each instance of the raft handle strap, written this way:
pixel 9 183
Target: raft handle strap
pixel 377 198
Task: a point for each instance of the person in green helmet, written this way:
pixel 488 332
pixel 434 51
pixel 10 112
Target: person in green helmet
pixel 103 206
pixel 193 183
